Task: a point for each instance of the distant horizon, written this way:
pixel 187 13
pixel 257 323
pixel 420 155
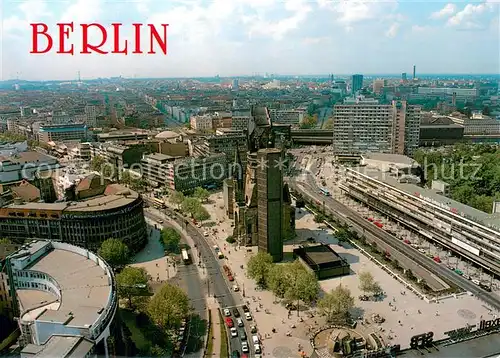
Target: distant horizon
pixel 264 76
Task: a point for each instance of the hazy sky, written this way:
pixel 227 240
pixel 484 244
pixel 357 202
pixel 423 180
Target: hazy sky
pixel 244 37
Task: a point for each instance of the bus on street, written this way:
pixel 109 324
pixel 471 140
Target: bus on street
pixel 324 191
pixel 185 257
pixel 158 203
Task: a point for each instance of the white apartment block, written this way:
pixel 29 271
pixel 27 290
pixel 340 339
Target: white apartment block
pixel 362 127
pixel 201 123
pixel 441 91
pixel 462 229
pixel 485 126
pixel 91 115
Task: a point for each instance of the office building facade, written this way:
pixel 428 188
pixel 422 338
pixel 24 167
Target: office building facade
pixel 117 213
pixel 62 132
pixel 357 83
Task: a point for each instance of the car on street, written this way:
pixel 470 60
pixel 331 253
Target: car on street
pixel 248 316
pixel 256 348
pixel 205 234
pixel 243 335
pixel 245 308
pixel 234 332
pixel 236 313
pixel 244 347
pixel 253 329
pixel 239 322
pixel 229 322
pixel 236 288
pixel 160 221
pixel 255 339
pixel 235 354
pixel 227 312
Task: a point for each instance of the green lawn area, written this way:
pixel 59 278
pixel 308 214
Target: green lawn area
pixel 140 341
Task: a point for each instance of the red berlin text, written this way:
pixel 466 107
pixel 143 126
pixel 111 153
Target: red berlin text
pixel 64 30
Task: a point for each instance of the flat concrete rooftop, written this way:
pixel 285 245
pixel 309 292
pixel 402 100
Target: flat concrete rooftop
pixel 97 203
pixel 85 288
pixel 491 220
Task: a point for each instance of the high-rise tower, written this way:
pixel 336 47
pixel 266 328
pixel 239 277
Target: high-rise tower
pixel 357 83
pixel 270 202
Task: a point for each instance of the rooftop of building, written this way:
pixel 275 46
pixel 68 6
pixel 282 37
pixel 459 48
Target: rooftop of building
pixel 85 282
pixel 490 220
pixel 60 346
pixel 29 157
pixel 395 159
pixel 123 133
pixel 26 191
pixel 319 255
pixel 167 135
pixel 115 196
pixel 159 157
pixel 63 127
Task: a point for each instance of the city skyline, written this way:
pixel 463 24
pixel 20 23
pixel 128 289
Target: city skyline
pixel 243 37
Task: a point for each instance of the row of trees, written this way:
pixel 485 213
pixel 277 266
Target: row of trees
pixel 472 171
pixel 168 306
pixel 135 183
pixel 192 205
pixel 289 281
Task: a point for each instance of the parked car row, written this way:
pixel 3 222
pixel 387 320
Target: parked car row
pixel 238 330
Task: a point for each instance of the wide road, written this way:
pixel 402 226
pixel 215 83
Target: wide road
pixel 188 278
pixel 351 217
pixel 216 282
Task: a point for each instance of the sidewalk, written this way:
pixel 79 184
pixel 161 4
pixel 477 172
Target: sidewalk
pixel 152 257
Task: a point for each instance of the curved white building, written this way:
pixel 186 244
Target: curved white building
pixel 65 299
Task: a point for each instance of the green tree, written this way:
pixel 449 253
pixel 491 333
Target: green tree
pixel 177 198
pixel 303 285
pixel 230 239
pixel 309 121
pixel 5 241
pixel 319 218
pixel 258 267
pixel 366 282
pixel 202 194
pixel 132 282
pixel 168 307
pixel 336 304
pixel 190 205
pixel 328 124
pixel 114 252
pixel 278 280
pixel 99 164
pixel 171 239
pixel 201 214
pixel 307 286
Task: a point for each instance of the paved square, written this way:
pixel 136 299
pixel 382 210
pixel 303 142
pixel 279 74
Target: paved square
pixel 453 312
